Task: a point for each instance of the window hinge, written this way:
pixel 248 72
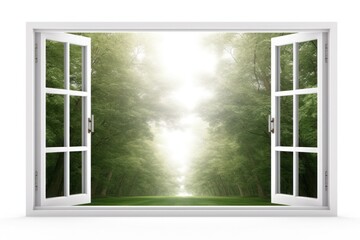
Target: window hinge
pixel 271 123
pixel 36 181
pixel 36 53
pixel 326 180
pixel 326 53
pixel 91 124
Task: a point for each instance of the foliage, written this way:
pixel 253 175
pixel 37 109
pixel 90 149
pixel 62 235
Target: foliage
pixel 125 101
pixel 235 160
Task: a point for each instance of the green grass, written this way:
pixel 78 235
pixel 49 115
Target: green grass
pixel 179 201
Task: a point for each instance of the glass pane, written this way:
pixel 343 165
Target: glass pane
pixel 308 64
pixel 286 67
pixel 54 175
pixel 76 172
pixel 286 172
pixel 308 120
pixel 76 120
pixel 75 67
pixel 286 121
pixel 54 64
pixel 54 120
pixel 308 175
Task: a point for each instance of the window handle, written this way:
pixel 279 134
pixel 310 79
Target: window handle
pixel 271 124
pixel 91 124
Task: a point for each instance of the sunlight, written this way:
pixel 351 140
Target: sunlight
pixel 183 55
pixel 186 62
pixel 183 193
pixel 177 146
pixel 180 179
pixel 190 96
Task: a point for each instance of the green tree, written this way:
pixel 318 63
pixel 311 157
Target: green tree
pixel 125 102
pixel 238 114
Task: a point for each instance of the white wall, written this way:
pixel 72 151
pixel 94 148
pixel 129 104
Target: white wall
pixel 14 14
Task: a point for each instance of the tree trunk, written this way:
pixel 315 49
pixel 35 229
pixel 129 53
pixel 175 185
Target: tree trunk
pixel 259 187
pixel 226 190
pixel 120 185
pixel 220 188
pixel 260 191
pixel 106 185
pixel 55 187
pixel 93 187
pixel 240 190
pixel 212 190
pixel 132 184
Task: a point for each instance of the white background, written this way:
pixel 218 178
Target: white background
pixel 13 224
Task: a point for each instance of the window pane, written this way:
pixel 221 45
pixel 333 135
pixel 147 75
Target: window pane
pixel 286 172
pixel 308 64
pixel 308 120
pixel 76 104
pixel 76 172
pixel 286 121
pixel 308 175
pixel 76 67
pixel 54 120
pixel 54 175
pixel 286 67
pixel 54 64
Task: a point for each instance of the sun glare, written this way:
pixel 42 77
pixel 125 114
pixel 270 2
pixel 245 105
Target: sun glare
pixel 189 96
pixel 184 61
pixel 184 56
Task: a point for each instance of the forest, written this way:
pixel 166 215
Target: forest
pixel 129 89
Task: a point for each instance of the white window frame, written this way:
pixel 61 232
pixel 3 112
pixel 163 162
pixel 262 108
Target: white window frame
pixel 42 92
pixel 330 210
pixel 276 93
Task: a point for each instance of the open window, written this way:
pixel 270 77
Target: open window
pixel 63 121
pixel 299 120
pixel 281 71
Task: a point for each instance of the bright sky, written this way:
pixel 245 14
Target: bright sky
pixel 184 59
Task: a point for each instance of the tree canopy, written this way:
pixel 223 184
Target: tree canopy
pixel 235 158
pixel 127 89
pixel 125 102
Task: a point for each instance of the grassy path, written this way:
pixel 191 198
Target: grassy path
pixel 179 201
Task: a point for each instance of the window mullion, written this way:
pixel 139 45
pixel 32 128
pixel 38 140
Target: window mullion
pixel 295 119
pixel 67 120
